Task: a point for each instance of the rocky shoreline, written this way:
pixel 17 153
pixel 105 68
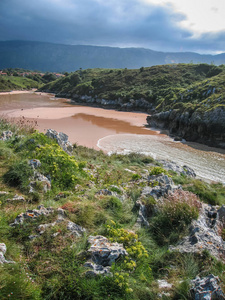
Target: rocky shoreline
pixel 205 128
pixel 202 127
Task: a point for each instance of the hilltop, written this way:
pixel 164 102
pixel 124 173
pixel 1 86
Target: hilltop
pixel 60 58
pixel 187 99
pixel 79 224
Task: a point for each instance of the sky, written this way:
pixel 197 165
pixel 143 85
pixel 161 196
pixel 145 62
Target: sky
pixel 168 26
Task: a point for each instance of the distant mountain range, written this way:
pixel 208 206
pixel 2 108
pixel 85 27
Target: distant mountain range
pixel 58 58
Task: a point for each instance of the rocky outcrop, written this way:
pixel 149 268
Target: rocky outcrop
pixel 102 254
pixel 206 288
pixel 173 166
pixel 61 139
pixel 203 127
pixel 203 235
pixel 160 186
pixel 2 253
pixel 39 181
pixel 32 214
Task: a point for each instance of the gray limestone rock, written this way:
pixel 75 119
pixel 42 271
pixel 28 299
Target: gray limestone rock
pixel 2 255
pixel 32 214
pixel 6 135
pixel 142 214
pixel 173 166
pixel 61 139
pixel 75 229
pixel 36 180
pixel 103 252
pixel 96 270
pixel 206 288
pixel 34 163
pixel 203 235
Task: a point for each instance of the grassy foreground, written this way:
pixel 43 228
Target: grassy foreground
pixel 51 266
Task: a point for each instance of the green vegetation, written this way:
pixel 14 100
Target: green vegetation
pixel 51 266
pixel 184 87
pixel 20 79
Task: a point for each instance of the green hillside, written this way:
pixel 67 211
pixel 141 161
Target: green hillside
pixel 52 203
pixel 187 99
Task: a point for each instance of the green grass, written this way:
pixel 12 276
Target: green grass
pixel 52 267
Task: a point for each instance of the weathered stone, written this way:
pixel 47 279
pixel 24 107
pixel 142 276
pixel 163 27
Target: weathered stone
pixel 17 198
pixel 32 214
pixel 75 229
pixel 61 138
pixel 142 214
pixel 164 185
pixel 172 166
pixel 105 192
pixel 34 163
pixel 96 270
pixel 207 288
pixel 221 214
pixel 103 252
pixel 2 255
pixel 36 180
pixel 203 235
pixel 6 135
pixel 163 284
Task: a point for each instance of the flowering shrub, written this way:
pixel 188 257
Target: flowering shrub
pixel 62 168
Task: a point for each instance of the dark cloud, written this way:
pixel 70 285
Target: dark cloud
pixel 122 23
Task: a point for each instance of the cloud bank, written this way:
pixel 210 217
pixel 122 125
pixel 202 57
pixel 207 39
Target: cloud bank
pixel 123 23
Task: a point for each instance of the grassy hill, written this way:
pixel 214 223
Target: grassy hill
pixel 8 83
pixel 99 193
pixel 179 96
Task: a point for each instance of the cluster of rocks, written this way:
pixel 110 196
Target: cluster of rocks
pixel 132 104
pixel 61 139
pixel 32 214
pixel 2 255
pixel 162 185
pixel 102 255
pixel 203 233
pixel 76 230
pixel 206 288
pixel 172 166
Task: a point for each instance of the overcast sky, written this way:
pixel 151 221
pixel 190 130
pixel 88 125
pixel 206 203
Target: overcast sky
pixel 173 25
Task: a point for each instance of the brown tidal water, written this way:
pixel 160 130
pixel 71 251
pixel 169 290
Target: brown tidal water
pixel 112 131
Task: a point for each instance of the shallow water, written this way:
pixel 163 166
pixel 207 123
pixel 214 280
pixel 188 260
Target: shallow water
pixel 112 131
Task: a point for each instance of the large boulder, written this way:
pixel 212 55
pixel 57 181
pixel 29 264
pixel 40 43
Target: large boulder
pixel 173 166
pixel 61 139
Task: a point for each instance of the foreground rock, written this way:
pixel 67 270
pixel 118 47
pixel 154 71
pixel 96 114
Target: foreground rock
pixel 103 254
pixel 204 235
pixel 207 288
pixel 61 139
pixel 2 253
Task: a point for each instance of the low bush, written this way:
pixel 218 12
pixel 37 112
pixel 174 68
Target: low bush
pixel 175 213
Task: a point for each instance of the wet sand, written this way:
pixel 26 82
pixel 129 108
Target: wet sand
pixel 84 125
